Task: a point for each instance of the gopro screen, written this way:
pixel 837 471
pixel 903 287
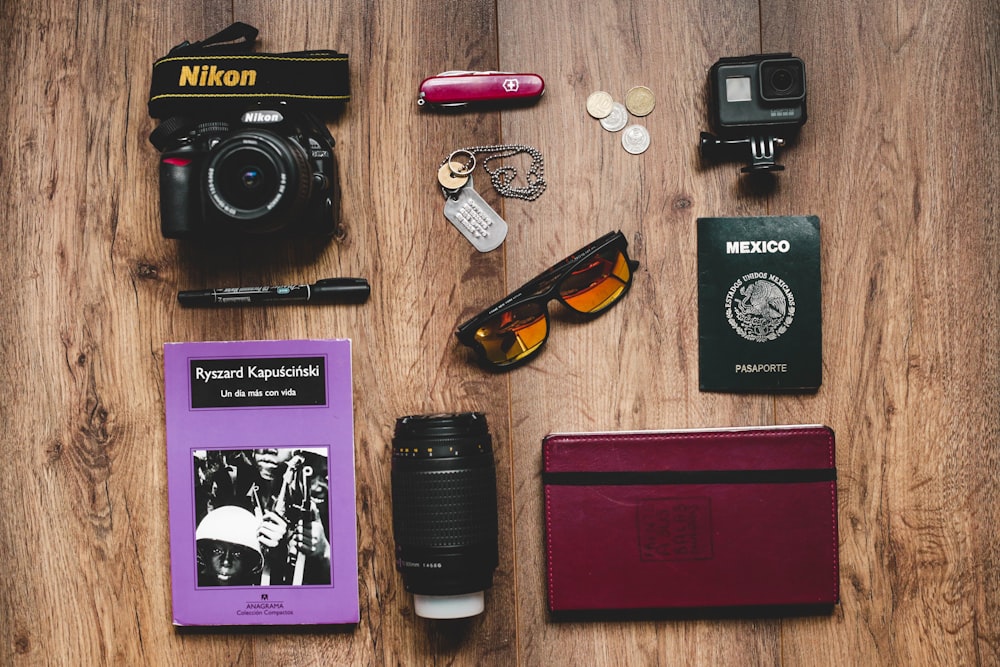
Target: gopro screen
pixel 738 89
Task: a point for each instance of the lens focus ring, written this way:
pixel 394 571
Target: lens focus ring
pixel 445 508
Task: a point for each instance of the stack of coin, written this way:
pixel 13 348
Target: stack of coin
pixel 639 101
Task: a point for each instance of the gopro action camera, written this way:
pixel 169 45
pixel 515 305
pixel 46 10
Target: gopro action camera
pixel 266 172
pixel 757 105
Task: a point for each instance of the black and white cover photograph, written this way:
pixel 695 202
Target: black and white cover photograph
pixel 261 517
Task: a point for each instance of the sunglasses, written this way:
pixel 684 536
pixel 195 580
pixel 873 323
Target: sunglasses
pixel 588 282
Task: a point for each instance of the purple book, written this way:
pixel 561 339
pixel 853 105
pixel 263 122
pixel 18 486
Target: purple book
pixel 260 468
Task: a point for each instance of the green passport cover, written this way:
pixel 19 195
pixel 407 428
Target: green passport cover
pixel 759 315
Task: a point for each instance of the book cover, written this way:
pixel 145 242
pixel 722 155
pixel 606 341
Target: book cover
pixel 260 473
pixel 759 310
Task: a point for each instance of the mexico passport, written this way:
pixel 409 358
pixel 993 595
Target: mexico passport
pixel 759 309
pixel 730 521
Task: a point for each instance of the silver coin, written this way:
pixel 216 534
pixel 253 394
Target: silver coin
pixel 617 119
pixel 599 104
pixel 635 139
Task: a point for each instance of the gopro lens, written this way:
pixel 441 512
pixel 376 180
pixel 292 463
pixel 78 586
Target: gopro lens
pixel 444 511
pixel 782 80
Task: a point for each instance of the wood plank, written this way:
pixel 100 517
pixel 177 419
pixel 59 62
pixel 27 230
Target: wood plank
pixel 909 234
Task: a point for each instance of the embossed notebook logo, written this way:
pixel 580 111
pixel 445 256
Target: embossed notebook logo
pixel 675 529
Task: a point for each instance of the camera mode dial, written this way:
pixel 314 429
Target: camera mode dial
pixel 214 127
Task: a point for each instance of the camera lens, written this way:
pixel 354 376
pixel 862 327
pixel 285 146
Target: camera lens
pixel 444 515
pixel 251 178
pixel 781 80
pixel 258 178
pixel 248 179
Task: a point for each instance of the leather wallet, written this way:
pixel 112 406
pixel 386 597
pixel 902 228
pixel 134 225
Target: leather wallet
pixel 741 520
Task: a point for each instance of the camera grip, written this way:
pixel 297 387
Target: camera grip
pixel 179 202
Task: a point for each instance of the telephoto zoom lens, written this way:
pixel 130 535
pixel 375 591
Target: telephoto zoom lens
pixel 444 512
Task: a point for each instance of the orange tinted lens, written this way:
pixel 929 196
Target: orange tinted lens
pixel 513 334
pixel 597 283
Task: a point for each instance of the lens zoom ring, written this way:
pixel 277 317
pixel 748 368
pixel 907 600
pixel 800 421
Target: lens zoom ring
pixel 448 508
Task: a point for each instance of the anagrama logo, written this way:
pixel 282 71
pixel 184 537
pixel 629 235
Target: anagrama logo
pixel 760 307
pixel 211 75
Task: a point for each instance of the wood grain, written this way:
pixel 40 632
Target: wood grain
pixel 896 159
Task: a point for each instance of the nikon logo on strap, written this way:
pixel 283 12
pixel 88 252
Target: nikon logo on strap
pixel 211 75
pixel 223 74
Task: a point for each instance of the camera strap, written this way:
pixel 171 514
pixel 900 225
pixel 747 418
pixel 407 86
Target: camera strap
pixel 222 71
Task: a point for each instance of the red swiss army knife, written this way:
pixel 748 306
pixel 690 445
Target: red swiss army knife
pixel 453 89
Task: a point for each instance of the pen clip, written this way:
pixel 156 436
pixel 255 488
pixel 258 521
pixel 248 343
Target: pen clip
pixel 341 290
pixel 340 282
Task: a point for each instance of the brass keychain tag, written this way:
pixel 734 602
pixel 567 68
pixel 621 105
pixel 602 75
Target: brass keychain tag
pixel 449 176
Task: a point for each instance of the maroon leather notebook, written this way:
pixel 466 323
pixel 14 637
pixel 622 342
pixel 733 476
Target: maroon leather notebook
pixel 729 519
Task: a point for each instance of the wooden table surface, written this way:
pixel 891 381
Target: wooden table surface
pixel 898 159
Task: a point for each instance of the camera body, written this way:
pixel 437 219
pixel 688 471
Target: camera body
pixel 757 105
pixel 763 94
pixel 265 172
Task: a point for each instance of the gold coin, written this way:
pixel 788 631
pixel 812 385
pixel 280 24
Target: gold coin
pixel 599 104
pixel 449 179
pixel 640 101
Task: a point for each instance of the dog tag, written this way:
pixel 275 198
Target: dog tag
pixel 478 222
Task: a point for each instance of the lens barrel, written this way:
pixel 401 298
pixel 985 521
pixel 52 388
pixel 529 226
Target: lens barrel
pixel 444 515
pixel 259 179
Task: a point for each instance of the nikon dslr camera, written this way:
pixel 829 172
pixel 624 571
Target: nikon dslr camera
pixel 267 172
pixel 757 105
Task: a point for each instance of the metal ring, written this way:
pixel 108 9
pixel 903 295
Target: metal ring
pixel 470 165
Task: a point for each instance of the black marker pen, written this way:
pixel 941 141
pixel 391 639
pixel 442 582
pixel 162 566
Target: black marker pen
pixel 328 290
